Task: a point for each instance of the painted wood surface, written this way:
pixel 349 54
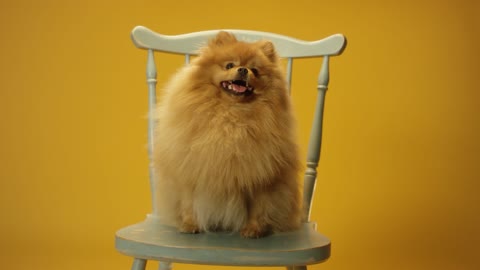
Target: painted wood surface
pixel 152 240
pixel 189 43
pixel 152 100
pixel 315 139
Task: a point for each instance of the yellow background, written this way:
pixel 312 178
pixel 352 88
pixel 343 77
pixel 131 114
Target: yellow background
pixel 399 177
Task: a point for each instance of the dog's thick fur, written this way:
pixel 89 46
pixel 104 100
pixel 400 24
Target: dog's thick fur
pixel 224 159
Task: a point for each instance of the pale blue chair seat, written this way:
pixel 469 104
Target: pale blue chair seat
pixel 152 240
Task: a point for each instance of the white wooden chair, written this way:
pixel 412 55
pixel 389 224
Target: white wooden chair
pixel 150 240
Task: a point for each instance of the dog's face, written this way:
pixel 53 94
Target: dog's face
pixel 239 70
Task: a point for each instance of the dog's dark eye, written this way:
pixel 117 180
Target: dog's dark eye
pixel 255 71
pixel 229 66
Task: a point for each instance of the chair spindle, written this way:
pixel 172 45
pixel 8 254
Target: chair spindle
pixel 289 74
pixel 315 141
pixel 152 98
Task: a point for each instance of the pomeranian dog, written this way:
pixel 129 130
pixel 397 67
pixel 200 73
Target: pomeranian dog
pixel 226 156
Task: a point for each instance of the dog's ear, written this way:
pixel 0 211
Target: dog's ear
pixel 268 49
pixel 223 38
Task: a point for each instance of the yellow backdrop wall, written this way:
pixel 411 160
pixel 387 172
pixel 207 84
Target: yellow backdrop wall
pixel 399 177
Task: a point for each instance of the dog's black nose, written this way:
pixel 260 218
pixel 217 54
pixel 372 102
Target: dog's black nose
pixel 242 71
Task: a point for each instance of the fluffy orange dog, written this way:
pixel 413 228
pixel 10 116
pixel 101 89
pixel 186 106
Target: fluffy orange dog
pixel 225 151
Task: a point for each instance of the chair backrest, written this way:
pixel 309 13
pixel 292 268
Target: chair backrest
pixel 286 47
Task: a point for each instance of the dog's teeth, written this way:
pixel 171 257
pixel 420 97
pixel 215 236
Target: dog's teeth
pixel 230 86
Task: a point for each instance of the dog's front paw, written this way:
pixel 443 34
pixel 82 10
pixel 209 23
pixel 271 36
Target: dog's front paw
pixel 189 227
pixel 254 230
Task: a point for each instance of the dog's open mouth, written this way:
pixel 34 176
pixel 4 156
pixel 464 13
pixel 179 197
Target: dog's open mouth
pixel 237 87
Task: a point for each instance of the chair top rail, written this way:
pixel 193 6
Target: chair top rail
pixel 286 47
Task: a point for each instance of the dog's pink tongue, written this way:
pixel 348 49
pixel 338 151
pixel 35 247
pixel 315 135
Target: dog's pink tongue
pixel 239 88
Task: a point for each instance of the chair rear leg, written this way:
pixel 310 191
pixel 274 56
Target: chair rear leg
pixel 139 264
pixel 164 266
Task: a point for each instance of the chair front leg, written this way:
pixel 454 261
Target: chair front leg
pixel 297 267
pixel 139 264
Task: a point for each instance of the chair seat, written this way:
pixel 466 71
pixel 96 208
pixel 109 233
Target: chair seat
pixel 152 240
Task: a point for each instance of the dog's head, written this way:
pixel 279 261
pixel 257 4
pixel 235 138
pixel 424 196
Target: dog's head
pixel 240 70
